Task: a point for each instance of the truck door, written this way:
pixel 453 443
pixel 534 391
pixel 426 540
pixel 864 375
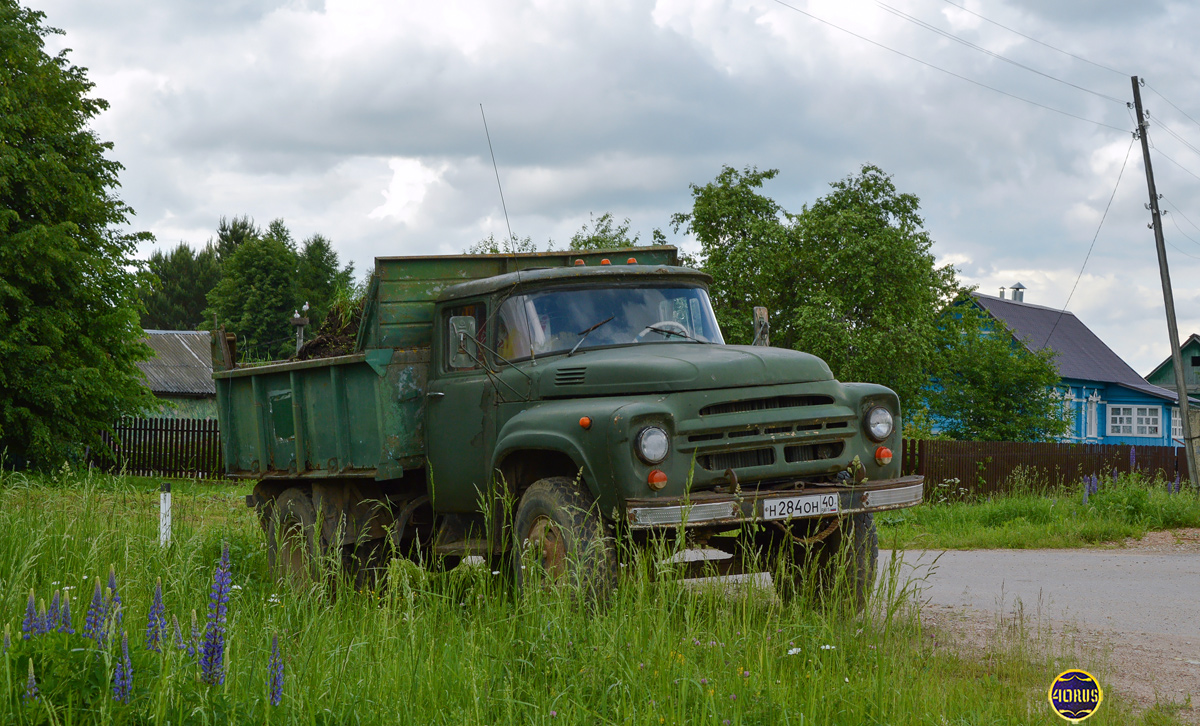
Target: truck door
pixel 459 411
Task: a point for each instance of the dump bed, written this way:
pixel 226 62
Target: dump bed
pixel 361 415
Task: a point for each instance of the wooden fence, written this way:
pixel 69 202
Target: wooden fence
pixel 180 447
pixel 984 467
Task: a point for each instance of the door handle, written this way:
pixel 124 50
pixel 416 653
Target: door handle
pixel 435 394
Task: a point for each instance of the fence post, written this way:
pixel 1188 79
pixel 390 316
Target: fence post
pixel 164 515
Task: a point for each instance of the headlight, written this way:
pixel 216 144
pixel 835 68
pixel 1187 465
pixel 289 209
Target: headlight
pixel 652 444
pixel 879 423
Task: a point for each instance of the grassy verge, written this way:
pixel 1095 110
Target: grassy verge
pixel 458 648
pixel 1028 517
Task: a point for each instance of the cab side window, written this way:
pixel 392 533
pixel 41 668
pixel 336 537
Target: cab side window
pixel 460 354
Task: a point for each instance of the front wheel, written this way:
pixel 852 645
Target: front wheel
pixel 561 539
pixel 840 554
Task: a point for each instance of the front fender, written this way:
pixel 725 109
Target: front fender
pixel 554 426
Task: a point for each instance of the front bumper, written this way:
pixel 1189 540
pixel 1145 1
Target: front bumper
pixel 707 509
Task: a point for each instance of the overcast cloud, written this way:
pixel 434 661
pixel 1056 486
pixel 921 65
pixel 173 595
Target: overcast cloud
pixel 360 120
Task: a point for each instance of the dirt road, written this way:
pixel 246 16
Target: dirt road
pixel 1141 604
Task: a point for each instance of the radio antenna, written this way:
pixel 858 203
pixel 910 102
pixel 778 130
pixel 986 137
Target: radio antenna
pixel 512 247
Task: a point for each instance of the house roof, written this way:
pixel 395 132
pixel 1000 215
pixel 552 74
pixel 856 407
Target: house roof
pixel 1079 353
pixel 1193 339
pixel 182 363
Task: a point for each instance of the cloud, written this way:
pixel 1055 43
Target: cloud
pixel 361 120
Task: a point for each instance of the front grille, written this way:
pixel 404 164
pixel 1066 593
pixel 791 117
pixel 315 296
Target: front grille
pixel 705 437
pixel 740 434
pixel 737 459
pixel 569 376
pixel 813 452
pixel 763 404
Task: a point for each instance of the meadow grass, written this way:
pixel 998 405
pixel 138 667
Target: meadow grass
pixel 458 647
pixel 1029 515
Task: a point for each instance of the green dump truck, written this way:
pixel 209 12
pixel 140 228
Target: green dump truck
pixel 541 407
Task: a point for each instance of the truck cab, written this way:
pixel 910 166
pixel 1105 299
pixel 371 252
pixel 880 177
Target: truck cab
pixel 558 408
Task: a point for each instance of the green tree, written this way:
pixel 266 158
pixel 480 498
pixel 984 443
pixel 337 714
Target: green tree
pixel 603 234
pixel 177 296
pixel 319 277
pixel 233 233
pixel 257 295
pixel 987 386
pixel 69 308
pixel 850 279
pixel 491 246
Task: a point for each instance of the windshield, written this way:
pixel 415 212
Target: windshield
pixel 558 320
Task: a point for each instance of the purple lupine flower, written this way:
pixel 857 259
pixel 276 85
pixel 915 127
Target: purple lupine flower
pixel 1114 476
pixel 93 625
pixel 123 676
pixel 41 625
pixel 1087 488
pixel 114 598
pixel 31 689
pixel 1176 485
pixel 275 671
pixel 212 655
pixel 29 625
pixel 64 616
pixel 156 620
pixel 1132 459
pixel 53 612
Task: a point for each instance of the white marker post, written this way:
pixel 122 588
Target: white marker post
pixel 164 515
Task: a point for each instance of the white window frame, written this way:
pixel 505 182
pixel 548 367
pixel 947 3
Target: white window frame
pixel 1093 416
pixel 1176 424
pixel 1135 421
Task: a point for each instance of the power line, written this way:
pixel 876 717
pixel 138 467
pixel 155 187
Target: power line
pixel 1179 138
pixel 943 70
pixel 1093 245
pixel 1039 42
pixel 1175 207
pixel 1176 163
pixel 1169 101
pixel 947 34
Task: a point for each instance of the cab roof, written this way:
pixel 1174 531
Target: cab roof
pixel 556 276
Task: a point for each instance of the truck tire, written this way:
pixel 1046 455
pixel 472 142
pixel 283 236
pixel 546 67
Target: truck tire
pixel 843 562
pixel 292 550
pixel 558 529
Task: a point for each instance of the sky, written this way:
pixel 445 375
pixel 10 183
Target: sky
pixel 362 121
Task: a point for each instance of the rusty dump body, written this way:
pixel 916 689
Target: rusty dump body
pixel 477 379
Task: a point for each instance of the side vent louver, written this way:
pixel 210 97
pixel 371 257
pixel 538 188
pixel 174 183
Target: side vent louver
pixel 569 376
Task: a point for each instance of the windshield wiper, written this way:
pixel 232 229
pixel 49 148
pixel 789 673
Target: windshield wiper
pixel 585 333
pixel 676 333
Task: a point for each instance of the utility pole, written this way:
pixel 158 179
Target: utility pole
pixel 1168 298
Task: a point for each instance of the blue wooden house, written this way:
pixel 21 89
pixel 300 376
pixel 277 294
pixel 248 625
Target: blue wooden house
pixel 1105 400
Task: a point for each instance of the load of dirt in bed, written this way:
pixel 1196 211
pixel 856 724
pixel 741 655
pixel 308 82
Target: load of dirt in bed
pixel 335 337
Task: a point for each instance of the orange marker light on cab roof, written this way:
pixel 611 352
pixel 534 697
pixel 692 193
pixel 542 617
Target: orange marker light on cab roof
pixel 585 422
pixel 631 261
pixel 657 479
pixel 605 262
pixel 579 263
pixel 883 456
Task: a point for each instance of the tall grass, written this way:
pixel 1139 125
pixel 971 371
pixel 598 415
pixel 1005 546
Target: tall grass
pixel 1030 515
pixel 458 647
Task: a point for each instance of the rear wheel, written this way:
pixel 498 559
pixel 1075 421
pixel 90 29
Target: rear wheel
pixel 292 550
pixel 560 534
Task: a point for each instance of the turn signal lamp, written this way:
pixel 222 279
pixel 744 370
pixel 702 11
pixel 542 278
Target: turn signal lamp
pixel 657 479
pixel 585 422
pixel 605 262
pixel 883 456
pixel 631 261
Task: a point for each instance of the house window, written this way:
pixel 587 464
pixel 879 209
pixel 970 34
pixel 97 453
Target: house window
pixel 1176 424
pixel 1196 361
pixel 1134 420
pixel 1093 423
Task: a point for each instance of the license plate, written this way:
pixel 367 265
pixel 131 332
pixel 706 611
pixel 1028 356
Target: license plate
pixel 812 505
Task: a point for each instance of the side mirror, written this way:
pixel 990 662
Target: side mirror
pixel 762 327
pixel 463 350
